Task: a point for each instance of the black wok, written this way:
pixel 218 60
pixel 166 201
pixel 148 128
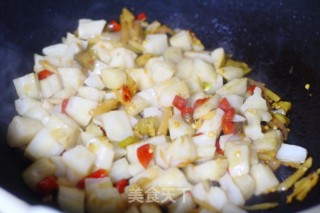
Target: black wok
pixel 279 39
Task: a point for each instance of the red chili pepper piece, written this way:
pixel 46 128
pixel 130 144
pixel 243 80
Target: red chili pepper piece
pixel 121 184
pixel 64 105
pixel 187 114
pixel 126 95
pixel 179 102
pixel 113 26
pixel 100 173
pixel 218 148
pixel 251 89
pixel 145 154
pixel 224 104
pixel 44 74
pixel 141 16
pixel 47 185
pixel 228 126
pixel 200 102
pixel 229 115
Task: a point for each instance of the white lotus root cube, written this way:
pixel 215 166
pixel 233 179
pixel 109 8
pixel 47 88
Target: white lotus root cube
pixel 123 58
pixel 43 145
pixel 264 178
pixel 79 109
pixel 255 101
pixel 219 57
pixel 119 170
pixel 234 87
pixel 160 69
pixel 117 125
pixel 205 145
pixel 79 159
pixel 167 90
pixel 155 44
pixel 205 71
pixel 38 170
pixel 63 129
pixel 211 170
pixel 178 127
pixel 113 78
pixel 91 93
pixel 213 198
pixel 142 77
pixel 89 29
pixel 232 190
pixel 71 77
pixel 182 40
pixel 254 118
pixel 71 199
pixel 291 153
pixel 238 157
pixel 21 130
pixel 27 86
pixel 178 158
pixel 50 85
pixel 55 50
pixel 103 151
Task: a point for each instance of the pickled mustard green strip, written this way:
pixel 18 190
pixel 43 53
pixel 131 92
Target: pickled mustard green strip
pixel 128 141
pixel 261 206
pixel 282 118
pixel 287 183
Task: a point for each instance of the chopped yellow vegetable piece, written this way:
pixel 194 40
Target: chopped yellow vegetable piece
pixel 276 124
pixel 143 59
pixel 105 106
pixel 163 128
pixel 132 86
pixel 146 126
pixel 282 118
pixel 284 105
pixel 307 86
pixel 270 94
pixel 287 183
pixel 86 58
pixel 303 187
pixel 269 159
pixel 126 21
pixel 261 206
pixel 128 141
pixel 206 86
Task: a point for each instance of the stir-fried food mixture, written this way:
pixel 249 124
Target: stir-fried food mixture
pixel 132 116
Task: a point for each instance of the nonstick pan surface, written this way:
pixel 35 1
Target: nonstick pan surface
pixel 280 40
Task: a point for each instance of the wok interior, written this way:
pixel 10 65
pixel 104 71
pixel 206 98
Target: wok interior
pixel 280 40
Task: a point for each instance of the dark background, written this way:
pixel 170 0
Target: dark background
pixel 279 39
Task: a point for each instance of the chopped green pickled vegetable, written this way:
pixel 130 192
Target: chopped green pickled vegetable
pixel 282 118
pixel 270 95
pixel 128 141
pixel 105 106
pixel 206 86
pixel 147 126
pixel 287 183
pixel 285 105
pixel 261 206
pixel 143 59
pixel 86 59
